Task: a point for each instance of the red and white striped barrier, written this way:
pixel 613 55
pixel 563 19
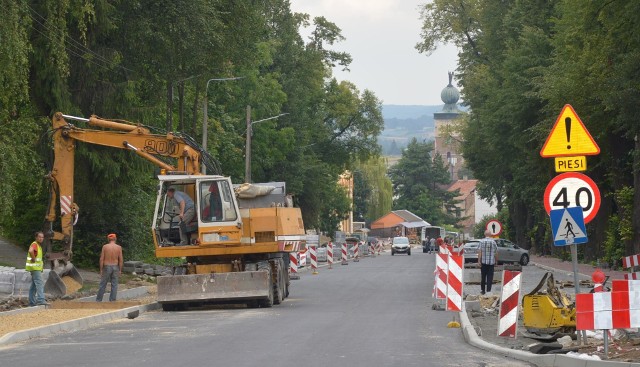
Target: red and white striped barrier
pixel 344 254
pixel 314 259
pixel 508 320
pixel 454 282
pixel 618 309
pixel 440 284
pixel 632 276
pixel 631 261
pixel 303 258
pixel 356 252
pixel 379 247
pixel 293 265
pixel 625 286
pixel 330 254
pixel 446 249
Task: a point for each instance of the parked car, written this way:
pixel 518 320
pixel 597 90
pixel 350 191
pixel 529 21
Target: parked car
pixel 400 245
pixel 471 251
pixel 508 252
pixel 511 253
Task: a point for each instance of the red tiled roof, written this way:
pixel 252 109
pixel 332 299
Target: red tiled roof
pixel 465 187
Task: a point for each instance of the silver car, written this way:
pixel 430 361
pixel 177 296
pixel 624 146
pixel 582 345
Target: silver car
pixel 508 252
pixel 400 245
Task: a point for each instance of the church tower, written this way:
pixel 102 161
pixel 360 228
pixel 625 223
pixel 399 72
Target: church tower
pixel 447 144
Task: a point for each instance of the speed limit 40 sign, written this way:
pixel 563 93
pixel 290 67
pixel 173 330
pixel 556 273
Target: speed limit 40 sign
pixel 573 189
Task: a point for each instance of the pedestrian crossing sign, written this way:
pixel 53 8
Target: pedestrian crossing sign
pixel 567 226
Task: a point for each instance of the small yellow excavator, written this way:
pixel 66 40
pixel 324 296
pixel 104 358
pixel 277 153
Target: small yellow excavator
pixel 548 314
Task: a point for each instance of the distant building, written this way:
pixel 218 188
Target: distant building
pixel 346 180
pixel 471 207
pixel 446 143
pixel 398 223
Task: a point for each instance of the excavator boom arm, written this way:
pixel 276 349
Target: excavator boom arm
pixel 132 137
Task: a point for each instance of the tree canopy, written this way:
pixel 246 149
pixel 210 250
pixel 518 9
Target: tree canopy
pixel 152 62
pixel 520 62
pixel 420 182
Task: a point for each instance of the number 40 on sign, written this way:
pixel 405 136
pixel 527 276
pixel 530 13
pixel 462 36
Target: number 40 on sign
pixel 573 189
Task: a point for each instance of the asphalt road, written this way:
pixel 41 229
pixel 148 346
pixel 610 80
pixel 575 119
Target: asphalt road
pixel 373 313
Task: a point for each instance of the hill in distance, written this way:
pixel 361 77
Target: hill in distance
pixel 404 122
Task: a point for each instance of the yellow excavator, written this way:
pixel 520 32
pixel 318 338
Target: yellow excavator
pixel 238 243
pixel 548 314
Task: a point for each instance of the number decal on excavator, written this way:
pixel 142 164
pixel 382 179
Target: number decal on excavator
pixel 160 147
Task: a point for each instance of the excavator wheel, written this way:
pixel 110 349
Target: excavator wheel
pixel 265 266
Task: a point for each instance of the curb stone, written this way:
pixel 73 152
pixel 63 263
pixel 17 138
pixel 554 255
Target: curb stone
pixel 541 360
pixel 74 325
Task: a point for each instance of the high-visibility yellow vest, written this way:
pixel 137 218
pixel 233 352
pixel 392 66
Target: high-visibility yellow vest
pixel 38 264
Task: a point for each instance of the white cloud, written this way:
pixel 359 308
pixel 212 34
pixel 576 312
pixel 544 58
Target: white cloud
pixel 381 36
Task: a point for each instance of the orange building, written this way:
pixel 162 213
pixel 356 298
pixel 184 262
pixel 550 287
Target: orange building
pixel 398 223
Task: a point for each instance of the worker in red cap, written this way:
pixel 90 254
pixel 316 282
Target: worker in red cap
pixel 110 267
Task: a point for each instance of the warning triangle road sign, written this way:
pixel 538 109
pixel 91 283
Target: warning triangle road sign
pixel 569 137
pixel 567 226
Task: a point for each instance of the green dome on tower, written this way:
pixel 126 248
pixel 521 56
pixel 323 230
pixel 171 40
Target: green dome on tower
pixel 450 96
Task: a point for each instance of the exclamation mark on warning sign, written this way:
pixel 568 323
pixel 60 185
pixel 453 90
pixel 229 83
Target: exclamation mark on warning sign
pixel 567 124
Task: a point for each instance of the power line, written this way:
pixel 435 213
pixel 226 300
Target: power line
pixel 79 47
pixel 72 51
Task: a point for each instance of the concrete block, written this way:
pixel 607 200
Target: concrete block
pixel 7 281
pixel 473 306
pixel 133 263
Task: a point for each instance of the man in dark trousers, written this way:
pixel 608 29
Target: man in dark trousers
pixel 487 258
pixel 110 267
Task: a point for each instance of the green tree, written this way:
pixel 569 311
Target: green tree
pixel 372 190
pixel 419 184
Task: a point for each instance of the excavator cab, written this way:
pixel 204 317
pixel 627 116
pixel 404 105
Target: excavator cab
pixel 214 205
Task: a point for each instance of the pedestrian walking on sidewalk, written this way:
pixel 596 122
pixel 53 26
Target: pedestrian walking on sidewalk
pixel 35 265
pixel 110 267
pixel 487 257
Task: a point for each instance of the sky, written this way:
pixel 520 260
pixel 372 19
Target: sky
pixel 381 36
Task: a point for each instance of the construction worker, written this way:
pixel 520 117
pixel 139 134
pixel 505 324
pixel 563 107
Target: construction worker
pixel 187 212
pixel 35 265
pixel 110 267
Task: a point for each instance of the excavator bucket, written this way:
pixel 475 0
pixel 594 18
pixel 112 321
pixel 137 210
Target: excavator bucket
pixel 63 280
pixel 214 287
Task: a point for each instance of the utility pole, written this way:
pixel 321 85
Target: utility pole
pixel 247 164
pixel 247 159
pixel 205 122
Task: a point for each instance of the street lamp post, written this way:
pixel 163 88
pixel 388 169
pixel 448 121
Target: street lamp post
pixel 247 159
pixel 205 112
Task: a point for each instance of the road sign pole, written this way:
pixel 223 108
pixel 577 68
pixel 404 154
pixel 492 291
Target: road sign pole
pixel 576 282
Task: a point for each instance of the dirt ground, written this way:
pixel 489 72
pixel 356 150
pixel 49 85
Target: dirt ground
pixel 60 310
pixel 625 349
